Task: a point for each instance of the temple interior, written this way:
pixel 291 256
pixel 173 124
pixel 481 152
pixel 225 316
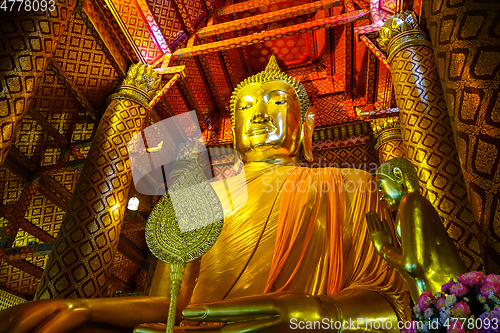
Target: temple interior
pixel 367 111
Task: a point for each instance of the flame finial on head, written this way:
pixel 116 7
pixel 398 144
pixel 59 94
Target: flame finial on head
pixel 272 65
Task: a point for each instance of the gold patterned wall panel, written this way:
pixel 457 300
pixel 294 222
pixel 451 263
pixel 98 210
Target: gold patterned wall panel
pixel 168 20
pixel 465 37
pixel 29 40
pixel 429 145
pixel 82 59
pixel 357 156
pixel 86 245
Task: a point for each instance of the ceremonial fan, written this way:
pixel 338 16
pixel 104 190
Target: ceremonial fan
pixel 186 233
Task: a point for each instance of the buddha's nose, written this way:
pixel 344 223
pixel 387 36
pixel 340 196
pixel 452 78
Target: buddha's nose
pixel 261 115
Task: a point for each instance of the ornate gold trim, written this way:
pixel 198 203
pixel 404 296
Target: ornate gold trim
pixel 387 135
pixel 404 40
pixel 132 93
pixel 385 130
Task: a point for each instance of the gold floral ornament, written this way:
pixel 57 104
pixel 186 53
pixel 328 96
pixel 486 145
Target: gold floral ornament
pixel 385 130
pixel 140 85
pixel 399 32
pixel 395 25
pixel 166 233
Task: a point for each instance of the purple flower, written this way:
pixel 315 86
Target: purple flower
pixel 492 278
pixel 490 321
pixel 490 288
pixel 445 287
pixel 441 303
pixel 459 289
pixel 460 310
pixel 472 278
pixel 424 300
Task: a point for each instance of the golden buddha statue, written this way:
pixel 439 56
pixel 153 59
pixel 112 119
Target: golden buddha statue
pixel 427 257
pixel 296 255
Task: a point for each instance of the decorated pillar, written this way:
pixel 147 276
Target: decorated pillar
pixel 86 245
pixel 426 130
pixel 466 41
pixel 29 40
pixel 388 139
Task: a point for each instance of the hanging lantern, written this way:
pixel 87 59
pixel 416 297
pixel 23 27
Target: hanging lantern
pixel 133 203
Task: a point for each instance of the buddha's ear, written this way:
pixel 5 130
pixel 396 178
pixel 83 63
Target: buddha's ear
pixel 307 133
pixel 234 141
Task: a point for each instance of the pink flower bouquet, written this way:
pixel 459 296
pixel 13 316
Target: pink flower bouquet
pixel 468 303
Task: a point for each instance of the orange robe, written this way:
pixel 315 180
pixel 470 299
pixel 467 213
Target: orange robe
pixel 301 230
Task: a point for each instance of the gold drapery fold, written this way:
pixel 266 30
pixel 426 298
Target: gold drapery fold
pixel 313 239
pixel 293 210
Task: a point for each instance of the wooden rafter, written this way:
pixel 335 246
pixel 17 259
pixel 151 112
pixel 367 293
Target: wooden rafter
pixel 246 5
pixel 131 251
pixel 270 35
pixel 103 38
pixel 26 267
pixel 18 163
pixel 53 132
pixel 274 16
pixel 74 90
pixel 379 54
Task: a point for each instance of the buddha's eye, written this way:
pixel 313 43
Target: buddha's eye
pixel 247 106
pixel 279 102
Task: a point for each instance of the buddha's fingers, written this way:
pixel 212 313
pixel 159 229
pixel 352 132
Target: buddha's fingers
pixel 41 317
pixel 371 219
pixel 232 310
pixel 385 225
pixel 64 321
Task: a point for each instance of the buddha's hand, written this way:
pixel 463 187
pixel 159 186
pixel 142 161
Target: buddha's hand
pixel 380 234
pixel 274 312
pixel 45 316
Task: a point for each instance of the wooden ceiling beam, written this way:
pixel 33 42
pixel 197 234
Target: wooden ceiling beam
pixel 270 35
pixel 74 90
pixel 52 185
pixel 376 51
pixel 19 164
pixel 26 267
pixel 26 225
pixel 54 198
pixel 61 166
pixel 278 15
pixel 246 5
pixel 53 132
pixel 131 251
pixel 103 38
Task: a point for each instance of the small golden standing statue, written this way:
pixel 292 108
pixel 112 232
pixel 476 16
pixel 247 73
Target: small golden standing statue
pixel 427 258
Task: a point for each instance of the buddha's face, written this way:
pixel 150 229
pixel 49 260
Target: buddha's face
pixel 267 122
pixel 390 190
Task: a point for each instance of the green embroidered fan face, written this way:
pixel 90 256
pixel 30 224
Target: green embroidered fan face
pixel 196 208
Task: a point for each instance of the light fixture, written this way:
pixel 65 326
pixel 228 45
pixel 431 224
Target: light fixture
pixel 133 203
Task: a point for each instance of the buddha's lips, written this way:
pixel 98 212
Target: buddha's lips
pixel 260 130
